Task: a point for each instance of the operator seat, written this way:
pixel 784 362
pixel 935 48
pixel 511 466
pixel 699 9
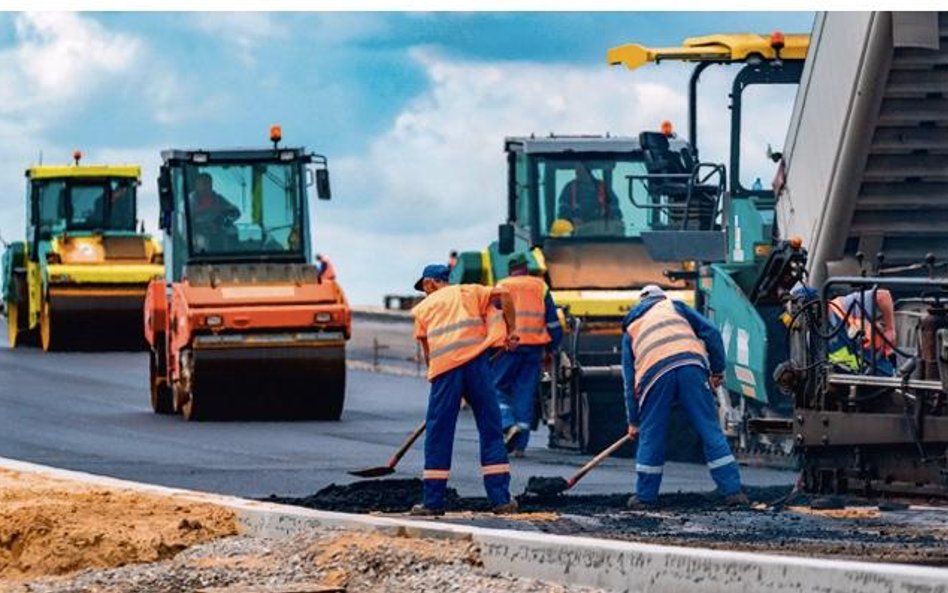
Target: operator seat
pixel 672 175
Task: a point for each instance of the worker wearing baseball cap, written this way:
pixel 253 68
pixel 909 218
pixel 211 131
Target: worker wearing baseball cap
pixel 453 324
pixel 517 373
pixel 673 354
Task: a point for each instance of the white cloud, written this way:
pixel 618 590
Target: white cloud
pixel 245 31
pixel 59 58
pixel 435 180
pixel 52 72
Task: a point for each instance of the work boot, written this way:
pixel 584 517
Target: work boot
pixel 510 436
pixel 736 500
pixel 507 508
pixel 634 504
pixel 420 510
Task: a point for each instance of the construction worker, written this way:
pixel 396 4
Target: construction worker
pixel 326 269
pixel 668 350
pixel 452 259
pixel 864 345
pixel 517 373
pixel 212 216
pixel 590 204
pixel 455 327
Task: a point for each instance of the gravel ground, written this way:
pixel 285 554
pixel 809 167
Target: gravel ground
pixel 363 562
pixel 858 529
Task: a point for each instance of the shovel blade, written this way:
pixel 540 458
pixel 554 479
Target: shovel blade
pixel 373 472
pixel 546 486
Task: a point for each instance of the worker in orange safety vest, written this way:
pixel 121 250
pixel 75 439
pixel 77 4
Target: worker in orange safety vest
pixel 326 269
pixel 517 373
pixel 456 325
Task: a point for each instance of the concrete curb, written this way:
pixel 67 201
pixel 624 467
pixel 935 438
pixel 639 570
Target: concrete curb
pixel 614 565
pixel 367 314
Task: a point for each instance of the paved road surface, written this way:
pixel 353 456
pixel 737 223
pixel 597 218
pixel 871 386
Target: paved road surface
pixel 90 412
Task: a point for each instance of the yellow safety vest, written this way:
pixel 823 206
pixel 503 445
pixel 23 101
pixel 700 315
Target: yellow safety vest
pixel 660 333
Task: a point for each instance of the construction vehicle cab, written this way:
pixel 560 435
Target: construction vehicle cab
pixel 743 292
pixel 82 271
pixel 243 319
pixel 592 212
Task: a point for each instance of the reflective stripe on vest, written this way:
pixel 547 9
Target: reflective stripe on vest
pixel 528 294
pixel 659 334
pixel 455 330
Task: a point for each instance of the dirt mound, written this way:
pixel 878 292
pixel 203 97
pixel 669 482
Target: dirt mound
pixel 54 527
pixel 346 559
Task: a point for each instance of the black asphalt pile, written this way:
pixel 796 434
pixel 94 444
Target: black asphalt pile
pixel 367 496
pixel 398 496
pixel 775 523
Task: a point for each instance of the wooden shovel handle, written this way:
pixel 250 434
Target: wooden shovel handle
pixel 597 460
pixel 407 444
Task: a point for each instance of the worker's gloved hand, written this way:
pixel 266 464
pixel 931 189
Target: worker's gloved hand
pixel 716 380
pixel 512 341
pixel 633 431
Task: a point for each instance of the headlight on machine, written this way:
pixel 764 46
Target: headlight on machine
pixel 213 320
pixel 323 317
pixel 59 278
pixel 53 258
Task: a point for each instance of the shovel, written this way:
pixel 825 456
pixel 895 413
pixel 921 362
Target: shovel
pixel 553 486
pixel 389 468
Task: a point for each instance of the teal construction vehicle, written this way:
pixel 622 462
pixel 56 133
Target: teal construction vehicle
pixel 589 212
pixel 745 289
pixel 656 213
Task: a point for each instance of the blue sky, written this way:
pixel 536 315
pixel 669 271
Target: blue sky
pixel 411 108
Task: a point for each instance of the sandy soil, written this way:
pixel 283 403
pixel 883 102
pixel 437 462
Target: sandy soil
pixel 54 527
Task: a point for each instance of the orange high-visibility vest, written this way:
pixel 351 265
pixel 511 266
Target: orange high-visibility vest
pixel 855 322
pixel 659 333
pixel 455 321
pixel 528 294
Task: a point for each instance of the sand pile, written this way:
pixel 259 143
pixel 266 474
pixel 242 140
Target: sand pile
pixel 54 527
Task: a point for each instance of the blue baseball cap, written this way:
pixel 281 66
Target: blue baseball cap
pixel 435 272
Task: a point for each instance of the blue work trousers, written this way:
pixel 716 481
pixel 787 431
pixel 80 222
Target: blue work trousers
pixel 516 377
pixel 688 387
pixel 473 381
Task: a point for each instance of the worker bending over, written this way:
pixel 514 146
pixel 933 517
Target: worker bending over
pixel 517 372
pixel 456 324
pixel 865 344
pixel 667 349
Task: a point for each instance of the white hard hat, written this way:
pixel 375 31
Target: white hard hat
pixel 650 291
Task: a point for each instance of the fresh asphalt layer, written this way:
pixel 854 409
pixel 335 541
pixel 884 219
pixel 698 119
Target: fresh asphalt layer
pixel 90 412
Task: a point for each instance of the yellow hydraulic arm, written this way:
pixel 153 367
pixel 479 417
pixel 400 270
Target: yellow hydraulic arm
pixel 728 47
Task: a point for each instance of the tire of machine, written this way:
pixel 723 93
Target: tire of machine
pixel 193 406
pixel 50 340
pixel 161 394
pixel 191 410
pixel 328 403
pixel 18 319
pixel 602 422
pixel 13 324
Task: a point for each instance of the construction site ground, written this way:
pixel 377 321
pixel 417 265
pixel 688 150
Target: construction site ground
pixel 60 535
pixel 90 412
pixel 853 528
